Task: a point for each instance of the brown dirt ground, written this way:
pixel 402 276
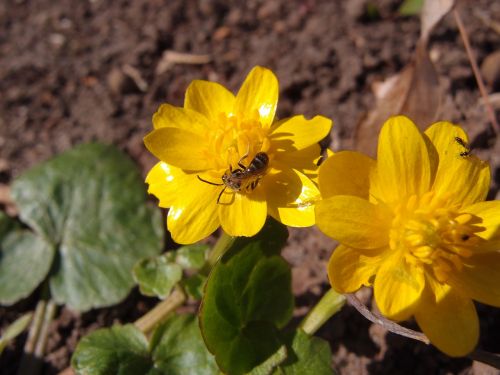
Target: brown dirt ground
pixel 75 71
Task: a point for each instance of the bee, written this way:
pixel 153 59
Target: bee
pixel 245 177
pixel 466 152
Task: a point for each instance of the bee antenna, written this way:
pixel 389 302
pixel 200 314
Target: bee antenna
pixel 208 182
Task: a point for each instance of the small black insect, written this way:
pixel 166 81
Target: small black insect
pixel 244 177
pixel 466 152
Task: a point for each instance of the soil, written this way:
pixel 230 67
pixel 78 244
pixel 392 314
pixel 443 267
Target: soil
pixel 76 71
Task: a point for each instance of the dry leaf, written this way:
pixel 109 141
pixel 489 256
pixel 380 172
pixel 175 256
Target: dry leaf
pixel 432 12
pixel 413 92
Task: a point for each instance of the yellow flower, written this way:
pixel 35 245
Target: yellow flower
pixel 414 224
pixel 217 135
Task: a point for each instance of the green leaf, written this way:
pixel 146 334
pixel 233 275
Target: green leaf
pixel 25 261
pixel 157 276
pixel 194 285
pixel 247 298
pixel 6 224
pixel 120 350
pixel 192 256
pixel 14 329
pixel 411 7
pixel 307 355
pixel 178 348
pixel 90 205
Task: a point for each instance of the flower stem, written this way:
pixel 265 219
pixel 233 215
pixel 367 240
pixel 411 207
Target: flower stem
pixel 327 306
pixel 221 246
pixel 147 322
pixel 34 349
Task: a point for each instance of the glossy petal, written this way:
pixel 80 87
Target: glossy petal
pixel 297 132
pixel 241 214
pixel 490 213
pixel 479 279
pixel 175 117
pixel 349 270
pixel 178 147
pixel 403 165
pixel 209 98
pixel 291 197
pixel 193 215
pixel 354 222
pixel 346 173
pixel 258 96
pixel 398 287
pixel 455 173
pixel 304 161
pixel 450 323
pixel 165 182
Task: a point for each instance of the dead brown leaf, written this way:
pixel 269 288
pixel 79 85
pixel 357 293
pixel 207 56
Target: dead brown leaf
pixel 414 92
pixel 433 11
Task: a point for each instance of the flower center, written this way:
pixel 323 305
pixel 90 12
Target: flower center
pixel 236 140
pixel 434 235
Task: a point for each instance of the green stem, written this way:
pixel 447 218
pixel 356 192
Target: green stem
pixel 328 305
pixel 34 349
pixel 221 246
pixel 147 322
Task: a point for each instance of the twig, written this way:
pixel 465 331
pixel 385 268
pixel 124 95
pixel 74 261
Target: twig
pixel 485 357
pixel 477 355
pixel 387 324
pixel 477 74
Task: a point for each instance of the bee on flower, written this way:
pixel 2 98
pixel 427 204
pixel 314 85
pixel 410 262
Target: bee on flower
pixel 225 161
pixel 414 224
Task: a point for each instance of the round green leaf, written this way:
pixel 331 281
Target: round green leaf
pixel 90 204
pixel 157 276
pixel 191 256
pixel 120 350
pixel 178 348
pixel 194 285
pixel 25 260
pixel 307 355
pixel 247 298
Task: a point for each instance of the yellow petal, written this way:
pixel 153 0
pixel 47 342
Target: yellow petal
pixel 403 165
pixel 175 117
pixel 258 96
pixel 354 222
pixel 345 173
pixel 209 98
pixel 297 132
pixel 193 215
pixel 398 286
pixel 304 160
pixel 450 323
pixel 166 182
pixel 241 214
pixel 178 147
pixel 489 212
pixel 291 197
pixel 349 270
pixel 467 177
pixel 479 279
